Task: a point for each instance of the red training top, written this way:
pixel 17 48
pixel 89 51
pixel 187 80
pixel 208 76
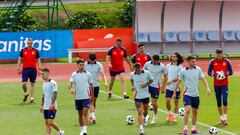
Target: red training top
pixel 30 57
pixel 117 58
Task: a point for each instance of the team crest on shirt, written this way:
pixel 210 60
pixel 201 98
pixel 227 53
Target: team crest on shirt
pixel 121 52
pixel 224 63
pixel 25 52
pixel 114 53
pixel 215 64
pixel 33 53
pixel 138 59
pixel 145 58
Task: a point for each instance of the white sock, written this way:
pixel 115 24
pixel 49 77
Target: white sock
pixel 169 112
pixel 193 127
pixel 25 93
pixel 85 129
pixel 124 93
pixel 222 117
pixel 155 116
pixel 93 114
pixel 110 91
pixel 225 116
pixel 141 127
pixel 185 127
pixel 81 128
pixel 32 98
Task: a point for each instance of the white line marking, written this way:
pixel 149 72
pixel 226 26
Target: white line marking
pixel 160 110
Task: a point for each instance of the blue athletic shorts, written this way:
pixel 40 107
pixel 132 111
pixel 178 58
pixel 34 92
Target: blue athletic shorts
pixel 80 104
pixel 169 94
pixel 49 114
pixel 112 73
pixel 96 91
pixel 144 100
pixel 154 92
pixel 30 73
pixel 193 101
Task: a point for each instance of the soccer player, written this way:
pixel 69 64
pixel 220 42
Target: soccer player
pixel 140 80
pixel 80 83
pixel 221 64
pixel 49 102
pixel 173 70
pixel 157 70
pixel 191 76
pixel 116 55
pixel 96 69
pixel 141 56
pixel 28 58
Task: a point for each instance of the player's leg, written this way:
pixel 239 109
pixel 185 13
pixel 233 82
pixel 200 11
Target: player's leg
pixel 154 95
pixel 93 105
pixel 79 108
pixel 123 84
pixel 145 110
pixel 169 95
pixel 32 77
pixel 112 80
pixel 225 103
pixel 86 104
pixel 24 84
pixel 187 104
pixel 195 105
pixel 48 128
pixel 176 107
pixel 139 106
pixel 218 94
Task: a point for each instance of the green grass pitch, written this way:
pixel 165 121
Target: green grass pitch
pixel 26 119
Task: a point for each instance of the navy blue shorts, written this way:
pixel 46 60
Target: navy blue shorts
pixel 80 104
pixel 113 73
pixel 49 114
pixel 96 91
pixel 144 100
pixel 221 93
pixel 154 92
pixel 193 101
pixel 30 73
pixel 169 94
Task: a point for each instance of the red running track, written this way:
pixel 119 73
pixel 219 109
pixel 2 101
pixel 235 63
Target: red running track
pixel 59 71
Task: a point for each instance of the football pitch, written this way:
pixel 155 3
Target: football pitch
pixel 25 119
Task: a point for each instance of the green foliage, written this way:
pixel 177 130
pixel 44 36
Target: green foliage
pixel 128 12
pixel 85 20
pixel 24 23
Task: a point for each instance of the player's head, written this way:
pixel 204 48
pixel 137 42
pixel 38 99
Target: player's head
pixel 92 56
pixel 137 67
pixel 141 48
pixel 176 57
pixel 155 59
pixel 45 73
pixel 119 42
pixel 219 53
pixel 191 61
pixel 29 43
pixel 80 64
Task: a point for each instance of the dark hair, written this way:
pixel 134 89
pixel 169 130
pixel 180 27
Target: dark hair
pixel 155 57
pixel 92 56
pixel 191 58
pixel 219 51
pixel 140 45
pixel 45 70
pixel 80 61
pixel 119 40
pixel 137 65
pixel 180 59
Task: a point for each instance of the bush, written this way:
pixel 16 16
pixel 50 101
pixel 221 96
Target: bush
pixel 85 20
pixel 24 23
pixel 128 12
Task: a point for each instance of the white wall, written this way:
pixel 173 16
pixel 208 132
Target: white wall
pixel 206 16
pixel 177 16
pixel 231 16
pixel 149 16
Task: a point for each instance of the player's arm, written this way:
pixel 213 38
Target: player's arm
pixel 92 91
pixel 164 83
pixel 70 87
pixel 230 71
pixel 132 83
pixel 41 108
pixel 205 83
pixel 39 63
pixel 54 97
pixel 176 87
pixel 104 78
pixel 210 68
pixel 108 59
pixel 150 80
pixel 20 59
